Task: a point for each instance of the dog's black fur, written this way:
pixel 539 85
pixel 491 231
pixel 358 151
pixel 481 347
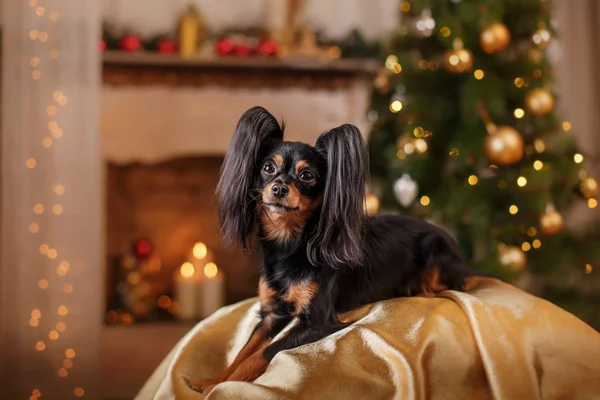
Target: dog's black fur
pixel 321 254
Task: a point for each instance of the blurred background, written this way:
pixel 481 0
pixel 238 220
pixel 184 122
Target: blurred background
pixel 481 117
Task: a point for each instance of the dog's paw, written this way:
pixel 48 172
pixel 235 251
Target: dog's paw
pixel 202 385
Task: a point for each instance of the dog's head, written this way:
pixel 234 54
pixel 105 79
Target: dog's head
pixel 283 184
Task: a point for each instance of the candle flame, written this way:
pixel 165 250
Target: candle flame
pixel 211 270
pixel 187 270
pixel 200 251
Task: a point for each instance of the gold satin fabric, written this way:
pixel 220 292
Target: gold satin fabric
pixel 492 342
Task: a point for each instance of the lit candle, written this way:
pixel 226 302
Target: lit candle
pixel 211 295
pixel 186 290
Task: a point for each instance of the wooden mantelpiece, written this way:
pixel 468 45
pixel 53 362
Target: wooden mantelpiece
pixel 152 68
pixel 159 107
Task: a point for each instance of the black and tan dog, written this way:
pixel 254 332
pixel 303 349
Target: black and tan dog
pixel 321 254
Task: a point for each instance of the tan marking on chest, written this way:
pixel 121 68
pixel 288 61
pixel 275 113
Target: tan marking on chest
pixel 301 294
pixel 266 295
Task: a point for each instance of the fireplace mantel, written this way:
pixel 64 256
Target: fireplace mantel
pixel 159 107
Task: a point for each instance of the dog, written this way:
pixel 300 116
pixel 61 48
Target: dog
pixel 322 255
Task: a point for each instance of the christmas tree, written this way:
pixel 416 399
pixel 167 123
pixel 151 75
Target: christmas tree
pixel 465 133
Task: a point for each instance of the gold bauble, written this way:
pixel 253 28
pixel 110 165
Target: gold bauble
pixel 458 60
pixel 539 102
pixel 505 146
pixel 512 257
pixel 371 204
pixel 494 38
pixel 551 221
pixel 589 187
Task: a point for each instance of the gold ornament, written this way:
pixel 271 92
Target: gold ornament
pixel 192 31
pixel 458 59
pixel 504 146
pixel 512 257
pixel 539 102
pixel 551 221
pixel 589 187
pixel 494 38
pixel 371 204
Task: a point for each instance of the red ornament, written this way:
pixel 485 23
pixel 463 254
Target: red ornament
pixel 267 48
pixel 130 43
pixel 242 50
pixel 166 46
pixel 102 45
pixel 225 46
pixel 142 248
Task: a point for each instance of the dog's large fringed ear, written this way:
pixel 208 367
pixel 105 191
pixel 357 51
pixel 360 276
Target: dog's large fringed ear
pixel 339 236
pixel 257 132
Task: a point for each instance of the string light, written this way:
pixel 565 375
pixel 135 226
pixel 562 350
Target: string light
pixel 36 393
pixel 519 113
pixel 513 209
pixel 445 31
pixel 537 243
pixel 44 249
pixel 521 181
pixel 588 268
pixel 62 310
pixel 47 142
pixel 409 148
pixel 211 270
pixel 30 163
pixel 531 231
pixel 40 346
pixel 425 200
pixel 538 165
pixel 62 372
pixel 54 15
pixel 405 6
pixel 592 203
pixel 43 36
pixel 32 3
pixel 539 145
pixel 57 209
pixel 34 322
pixel 61 327
pixel 519 82
pixel 390 61
pixel 52 254
pixel 67 288
pixel 38 208
pixel 421 145
pixel 478 74
pixel 51 110
pixel 537 73
pixel 34 228
pixel 566 125
pixel 53 335
pixel 526 246
pixel 396 106
pixel 34 61
pixel 57 133
pixel 473 180
pixel 79 392
pixel 578 158
pixel 33 34
pixel 40 11
pixel 43 284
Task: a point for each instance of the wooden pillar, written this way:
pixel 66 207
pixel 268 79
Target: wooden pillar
pixel 51 265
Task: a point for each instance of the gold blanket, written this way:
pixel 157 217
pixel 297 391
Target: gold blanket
pixel 493 342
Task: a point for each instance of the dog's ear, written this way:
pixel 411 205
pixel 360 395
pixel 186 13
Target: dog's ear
pixel 339 236
pixel 257 132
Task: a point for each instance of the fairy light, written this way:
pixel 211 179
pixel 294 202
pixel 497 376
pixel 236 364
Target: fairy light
pixel 36 393
pixel 54 16
pixel 519 113
pixel 211 270
pixel 521 181
pixel 38 208
pixel 588 269
pixel 478 74
pixel 53 335
pixel 538 165
pixel 43 284
pixel 40 346
pixel 566 125
pixel 537 243
pixel 62 372
pixel 519 82
pixel 47 142
pixel 526 246
pixel 421 145
pixel 531 231
pixel 425 201
pixel 57 209
pixel 578 158
pixel 592 203
pixel 473 180
pixel 79 392
pixel 409 148
pixel 33 322
pixel 52 254
pixel 51 110
pixel 405 6
pixel 61 327
pixel 40 11
pixel 513 209
pixel 67 288
pixel 445 32
pixel 62 310
pixel 30 163
pixel 390 61
pixel 43 36
pixel 539 145
pixel 44 249
pixel 396 106
pixel 33 34
pixel 34 228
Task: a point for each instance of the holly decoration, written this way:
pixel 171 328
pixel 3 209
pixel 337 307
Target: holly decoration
pixel 130 43
pixel 267 48
pixel 166 46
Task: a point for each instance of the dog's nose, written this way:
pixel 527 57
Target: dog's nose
pixel 279 190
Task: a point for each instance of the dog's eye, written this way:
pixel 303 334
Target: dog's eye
pixel 307 176
pixel 269 168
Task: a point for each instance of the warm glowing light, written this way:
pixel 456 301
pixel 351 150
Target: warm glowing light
pixel 538 165
pixel 54 15
pixel 68 363
pixel 445 31
pixel 38 208
pixel 409 148
pixel 79 392
pixel 47 142
pixel 53 335
pixel 187 270
pixel 34 61
pixel 588 268
pixel 478 74
pixel 35 75
pixel 62 372
pixel 43 284
pixel 52 254
pixel 396 68
pixel 36 393
pixel 70 353
pixel 134 278
pixel 164 301
pixel 453 59
pixel 539 145
pixel 537 243
pixel 61 327
pixel 40 11
pixel 33 3
pixel 390 61
pixel 57 209
pixel 425 200
pixel 473 180
pixel 33 34
pixel 59 190
pixel 43 36
pixel 57 133
pixel 40 346
pixel 112 317
pixel 36 313
pixel 521 181
pixel 419 132
pixel 30 163
pixel 63 267
pixel 454 153
pixel 54 53
pixel 34 228
pixel 578 158
pixel 62 310
pixel 67 288
pixel 51 110
pixel 592 203
pixel 211 270
pixel 526 246
pixel 405 6
pixel 531 231
pixel 519 82
pixel 421 145
pixel 537 73
pixel 401 154
pixel 566 125
pixel 396 106
pixel 200 251
pixel 34 322
pixel 519 113
pixel 513 209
